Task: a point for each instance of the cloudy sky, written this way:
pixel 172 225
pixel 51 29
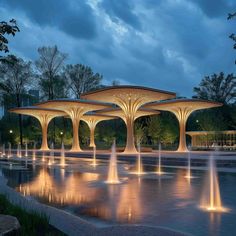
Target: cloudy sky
pixel 165 44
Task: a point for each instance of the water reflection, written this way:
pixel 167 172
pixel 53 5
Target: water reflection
pixel 170 202
pixel 72 191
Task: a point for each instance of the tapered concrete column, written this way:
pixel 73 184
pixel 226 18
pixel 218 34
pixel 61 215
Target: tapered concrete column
pixel 75 142
pixel 182 136
pixel 44 124
pixel 92 142
pixel 130 146
pixel 75 114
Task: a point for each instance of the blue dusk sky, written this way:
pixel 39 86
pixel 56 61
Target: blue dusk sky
pixel 165 44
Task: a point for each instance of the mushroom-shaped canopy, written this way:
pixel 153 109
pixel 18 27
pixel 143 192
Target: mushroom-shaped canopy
pixel 92 119
pixel 44 115
pixel 112 93
pixel 129 99
pixel 182 108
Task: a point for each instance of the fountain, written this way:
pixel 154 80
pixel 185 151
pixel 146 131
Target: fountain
pixel 3 151
pixel 51 158
pixel 211 200
pixel 94 156
pixel 139 170
pixel 112 172
pixel 26 149
pixel 189 175
pixel 159 172
pixel 34 152
pixel 19 150
pixel 62 162
pixel 9 151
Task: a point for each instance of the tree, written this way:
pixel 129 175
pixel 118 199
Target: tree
pixel 49 65
pixel 81 79
pixel 232 36
pixel 139 131
pixel 15 75
pixel 10 28
pixel 155 128
pixel 217 88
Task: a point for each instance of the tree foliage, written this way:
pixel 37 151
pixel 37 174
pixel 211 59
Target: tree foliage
pixel 217 87
pixel 9 28
pixel 15 76
pixel 155 128
pixel 139 132
pixel 49 65
pixel 81 79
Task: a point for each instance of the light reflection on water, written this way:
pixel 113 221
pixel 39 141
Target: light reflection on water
pixel 171 202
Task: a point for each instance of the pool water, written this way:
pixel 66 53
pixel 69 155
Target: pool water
pixel 168 201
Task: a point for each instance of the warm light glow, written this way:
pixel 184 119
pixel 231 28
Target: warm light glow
pixel 94 162
pixel 211 199
pixel 44 186
pixel 62 162
pixel 112 171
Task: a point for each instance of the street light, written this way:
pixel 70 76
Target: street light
pixel 11 131
pixel 61 133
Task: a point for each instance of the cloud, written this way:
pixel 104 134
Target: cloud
pixel 163 44
pixel 72 17
pixel 122 10
pixel 215 8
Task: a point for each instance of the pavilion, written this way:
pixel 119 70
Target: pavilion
pixel 129 99
pixel 182 108
pixel 44 116
pixel 75 109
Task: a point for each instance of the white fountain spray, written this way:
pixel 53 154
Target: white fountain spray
pixel 94 156
pixel 139 161
pixel 9 150
pixel 159 172
pixel 112 172
pixel 51 158
pixel 189 174
pixel 19 150
pixel 211 199
pixel 26 149
pixel 34 152
pixel 62 162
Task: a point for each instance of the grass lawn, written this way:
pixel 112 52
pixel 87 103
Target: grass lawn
pixel 31 223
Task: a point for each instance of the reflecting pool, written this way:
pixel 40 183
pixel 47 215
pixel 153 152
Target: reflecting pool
pixel 168 200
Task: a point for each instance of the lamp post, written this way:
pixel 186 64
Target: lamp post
pixel 61 134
